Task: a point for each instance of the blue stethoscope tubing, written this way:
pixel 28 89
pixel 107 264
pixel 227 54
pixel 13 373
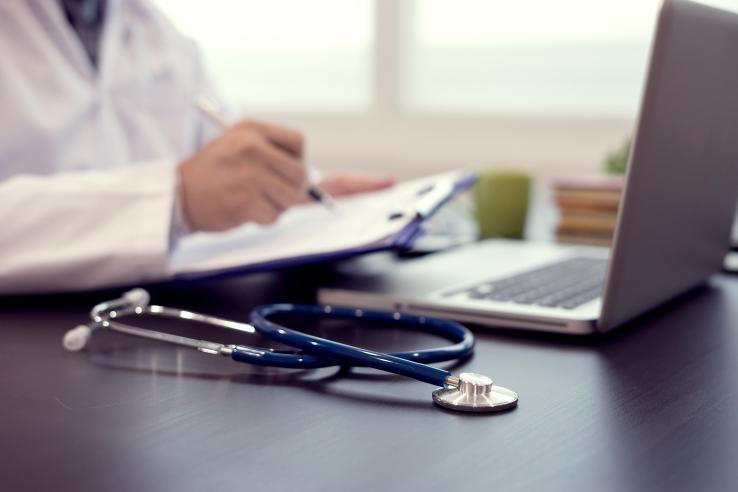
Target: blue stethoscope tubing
pixel 320 352
pixel 467 392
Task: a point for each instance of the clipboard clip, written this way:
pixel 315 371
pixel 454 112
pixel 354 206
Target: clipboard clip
pixel 427 200
pixel 433 197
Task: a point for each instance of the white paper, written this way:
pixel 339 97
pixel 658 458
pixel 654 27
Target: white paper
pixel 361 221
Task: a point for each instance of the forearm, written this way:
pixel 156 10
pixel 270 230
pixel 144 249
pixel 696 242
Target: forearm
pixel 84 230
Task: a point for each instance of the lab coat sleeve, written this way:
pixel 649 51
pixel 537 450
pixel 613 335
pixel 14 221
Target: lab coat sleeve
pixel 85 230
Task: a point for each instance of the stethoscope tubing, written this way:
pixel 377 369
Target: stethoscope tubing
pixel 467 392
pixel 306 351
pixel 411 364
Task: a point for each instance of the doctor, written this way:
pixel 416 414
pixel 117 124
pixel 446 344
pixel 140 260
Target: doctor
pixel 104 163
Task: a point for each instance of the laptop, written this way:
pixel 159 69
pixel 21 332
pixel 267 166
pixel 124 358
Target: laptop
pixel 674 222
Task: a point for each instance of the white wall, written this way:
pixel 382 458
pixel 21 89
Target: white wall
pixel 412 145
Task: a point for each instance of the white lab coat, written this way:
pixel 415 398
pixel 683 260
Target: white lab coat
pixel 87 158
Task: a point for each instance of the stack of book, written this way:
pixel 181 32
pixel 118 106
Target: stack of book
pixel 588 207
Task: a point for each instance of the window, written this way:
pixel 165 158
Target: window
pixel 284 54
pixel 528 57
pixel 411 86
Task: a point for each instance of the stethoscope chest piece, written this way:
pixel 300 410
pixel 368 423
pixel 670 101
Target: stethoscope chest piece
pixel 475 393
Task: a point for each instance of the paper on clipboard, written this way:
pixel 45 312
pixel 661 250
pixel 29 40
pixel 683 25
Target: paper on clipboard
pixel 367 221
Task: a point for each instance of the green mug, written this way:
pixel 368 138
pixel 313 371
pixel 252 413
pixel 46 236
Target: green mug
pixel 501 203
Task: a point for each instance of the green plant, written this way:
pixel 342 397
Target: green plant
pixel 617 161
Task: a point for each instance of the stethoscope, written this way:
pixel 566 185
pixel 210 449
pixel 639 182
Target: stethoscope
pixel 467 392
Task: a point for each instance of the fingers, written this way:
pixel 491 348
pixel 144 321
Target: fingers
pixel 256 147
pixel 272 180
pixel 351 184
pixel 251 173
pixel 371 184
pixel 279 193
pixel 248 204
pixel 279 162
pixel 263 212
pixel 289 140
pixel 263 197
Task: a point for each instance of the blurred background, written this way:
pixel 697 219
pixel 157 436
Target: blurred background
pixel 411 87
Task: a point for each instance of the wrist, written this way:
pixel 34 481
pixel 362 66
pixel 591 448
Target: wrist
pixel 180 223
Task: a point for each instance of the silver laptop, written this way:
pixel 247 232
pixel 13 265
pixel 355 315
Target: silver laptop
pixel 674 222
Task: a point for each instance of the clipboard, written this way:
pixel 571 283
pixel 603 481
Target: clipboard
pixel 386 220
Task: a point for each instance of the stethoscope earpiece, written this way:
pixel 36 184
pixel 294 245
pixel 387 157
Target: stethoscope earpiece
pixel 76 339
pixel 137 297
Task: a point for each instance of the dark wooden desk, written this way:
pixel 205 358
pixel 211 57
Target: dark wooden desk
pixel 654 407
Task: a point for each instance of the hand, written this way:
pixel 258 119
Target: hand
pixel 252 172
pixel 351 184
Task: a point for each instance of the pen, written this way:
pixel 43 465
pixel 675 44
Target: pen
pixel 210 110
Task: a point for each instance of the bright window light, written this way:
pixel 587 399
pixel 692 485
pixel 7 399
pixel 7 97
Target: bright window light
pixel 284 54
pixel 527 57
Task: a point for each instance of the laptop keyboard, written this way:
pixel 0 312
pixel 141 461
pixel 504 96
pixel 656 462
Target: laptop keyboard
pixel 566 284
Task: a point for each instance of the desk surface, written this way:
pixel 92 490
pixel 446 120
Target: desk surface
pixel 654 407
